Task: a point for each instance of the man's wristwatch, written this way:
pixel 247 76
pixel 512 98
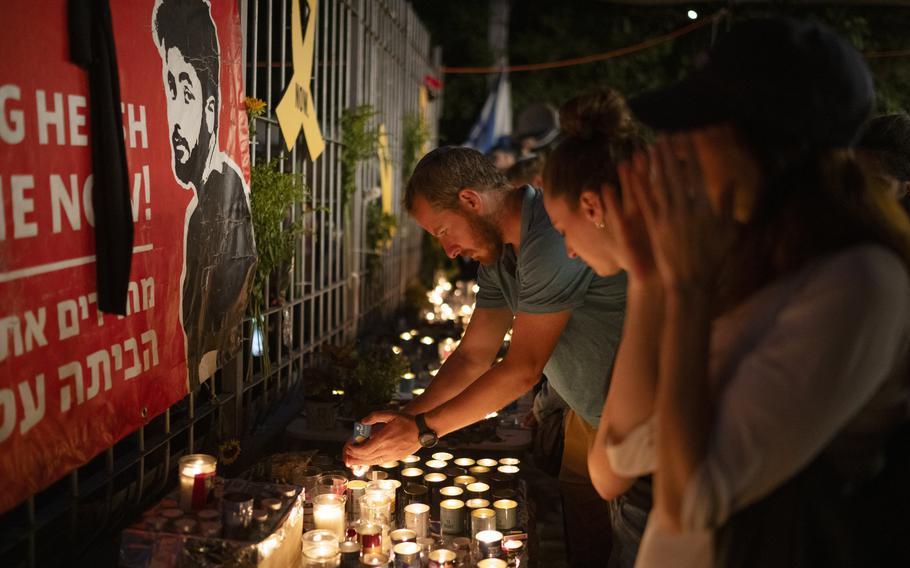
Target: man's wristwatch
pixel 425 435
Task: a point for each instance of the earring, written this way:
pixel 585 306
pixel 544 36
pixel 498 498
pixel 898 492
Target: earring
pixel 600 225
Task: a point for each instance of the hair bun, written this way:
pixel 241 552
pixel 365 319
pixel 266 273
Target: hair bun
pixel 602 113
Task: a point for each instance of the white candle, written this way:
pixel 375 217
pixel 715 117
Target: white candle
pixel 197 478
pixel 328 514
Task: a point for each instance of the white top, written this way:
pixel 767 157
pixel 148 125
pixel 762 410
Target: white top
pixel 790 368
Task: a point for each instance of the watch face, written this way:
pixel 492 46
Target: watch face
pixel 427 439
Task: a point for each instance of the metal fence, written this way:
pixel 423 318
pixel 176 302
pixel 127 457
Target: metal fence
pixel 372 52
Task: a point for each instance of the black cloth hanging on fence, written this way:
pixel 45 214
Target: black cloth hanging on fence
pixel 92 47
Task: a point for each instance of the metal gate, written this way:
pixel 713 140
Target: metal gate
pixel 372 52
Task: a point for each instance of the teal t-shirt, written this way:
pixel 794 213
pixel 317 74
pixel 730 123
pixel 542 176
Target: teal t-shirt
pixel 543 279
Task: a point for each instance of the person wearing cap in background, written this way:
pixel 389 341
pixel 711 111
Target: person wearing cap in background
pixel 528 170
pixel 883 150
pixel 565 322
pixel 782 349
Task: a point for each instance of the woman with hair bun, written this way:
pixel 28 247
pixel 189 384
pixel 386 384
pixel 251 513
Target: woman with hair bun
pixel 581 183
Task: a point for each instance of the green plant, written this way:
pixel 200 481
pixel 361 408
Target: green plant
pixel 360 141
pixel 374 379
pixel 414 138
pixel 379 230
pixel 273 194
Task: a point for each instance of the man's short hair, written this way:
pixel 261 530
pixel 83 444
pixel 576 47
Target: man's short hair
pixel 188 26
pixel 444 172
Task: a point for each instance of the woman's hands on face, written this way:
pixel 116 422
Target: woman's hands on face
pixel 689 238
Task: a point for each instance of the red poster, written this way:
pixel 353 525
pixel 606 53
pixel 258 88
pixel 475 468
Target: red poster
pixel 72 380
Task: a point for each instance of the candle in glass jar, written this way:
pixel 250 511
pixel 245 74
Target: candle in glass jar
pixel 437 465
pixel 464 462
pixel 479 471
pixel 451 492
pixel 197 479
pixel 442 456
pixel 417 518
pixel 407 555
pixel 492 563
pixel 328 513
pixel 451 516
pixel 512 549
pixel 487 462
pixel 442 558
pixel 482 520
pixel 464 480
pixel 370 536
pixel 478 490
pixel 509 461
pixel 489 543
pixel 506 514
pixel 410 461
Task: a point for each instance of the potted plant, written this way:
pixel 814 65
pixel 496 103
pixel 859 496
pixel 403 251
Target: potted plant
pixel 375 378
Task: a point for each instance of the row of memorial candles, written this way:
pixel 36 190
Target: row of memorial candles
pixel 396 506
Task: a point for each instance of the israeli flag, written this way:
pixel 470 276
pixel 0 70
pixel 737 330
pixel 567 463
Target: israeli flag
pixel 495 121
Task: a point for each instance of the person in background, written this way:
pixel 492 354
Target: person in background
pixel 565 321
pixel 502 156
pixel 527 170
pixel 883 150
pixel 782 374
pixel 600 133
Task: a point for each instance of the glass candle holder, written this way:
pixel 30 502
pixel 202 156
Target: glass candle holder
pixel 414 493
pixel 479 471
pixel 376 507
pixel 369 534
pixel 451 516
pixel 236 513
pixel 478 490
pixel 464 480
pixel 417 518
pixel 375 559
pixel 442 456
pixel 436 465
pixel 332 483
pixel 508 469
pixel 398 536
pixel 407 555
pixel 442 558
pixel 309 479
pixel 350 554
pixel 492 563
pixel 451 492
pixel 482 520
pixel 434 482
pixel 328 514
pixel 319 544
pixel 197 480
pixel 487 462
pixel 489 544
pixel 411 475
pixel 410 461
pixel 378 474
pixel 509 461
pixel 512 549
pixel 385 487
pixel 356 490
pixel 474 504
pixel 465 462
pixel 506 514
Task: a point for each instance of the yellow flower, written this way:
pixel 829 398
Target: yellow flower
pixel 229 451
pixel 254 106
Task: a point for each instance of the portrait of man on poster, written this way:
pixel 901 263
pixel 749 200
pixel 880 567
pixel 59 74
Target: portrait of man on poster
pixel 220 254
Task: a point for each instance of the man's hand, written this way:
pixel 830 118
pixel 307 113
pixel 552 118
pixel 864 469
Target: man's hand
pixel 396 440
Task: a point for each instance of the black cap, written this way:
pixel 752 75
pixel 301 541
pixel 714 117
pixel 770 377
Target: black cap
pixel 787 81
